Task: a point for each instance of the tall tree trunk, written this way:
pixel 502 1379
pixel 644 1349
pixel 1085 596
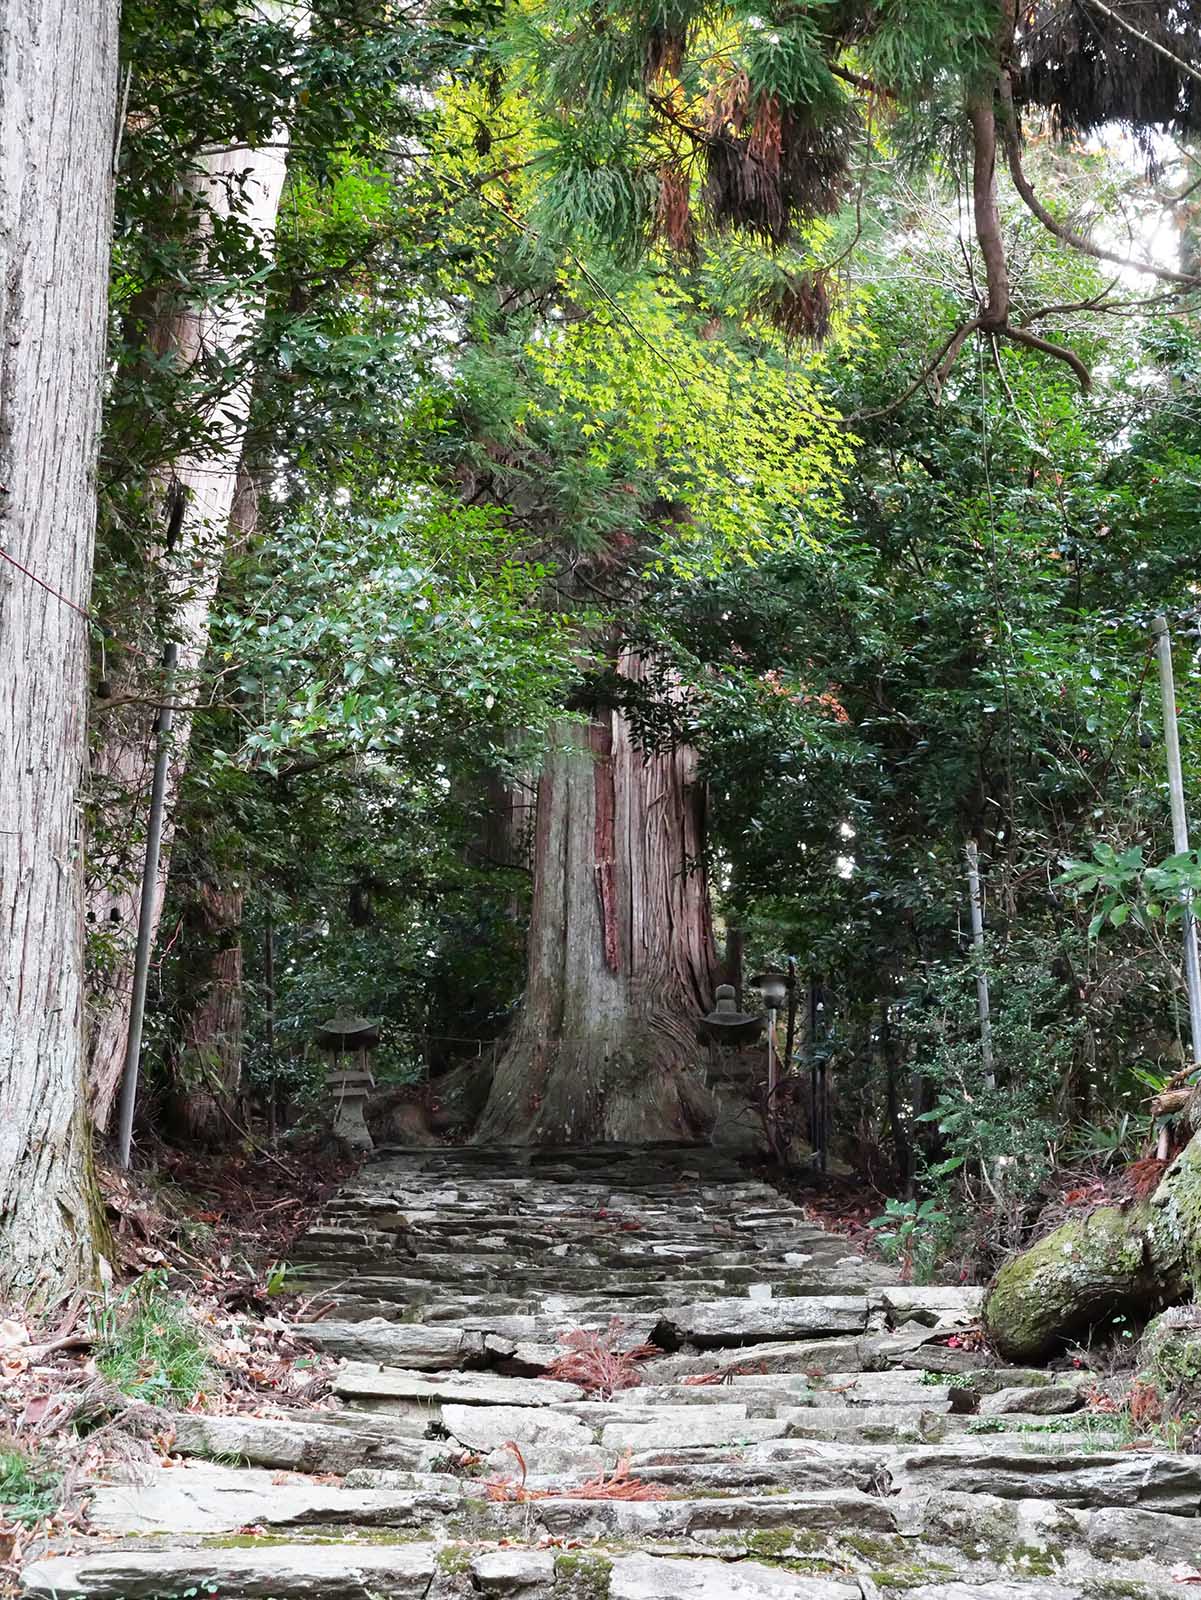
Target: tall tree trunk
pixel 207 1069
pixel 190 331
pixel 621 951
pixel 57 97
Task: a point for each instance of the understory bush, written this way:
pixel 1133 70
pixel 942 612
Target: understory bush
pixel 993 1130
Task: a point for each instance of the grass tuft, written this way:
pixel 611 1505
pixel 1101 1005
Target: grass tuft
pixel 150 1347
pixel 28 1490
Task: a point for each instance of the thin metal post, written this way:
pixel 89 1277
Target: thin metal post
pixel 977 904
pixel 790 1029
pixel 141 969
pixel 1171 739
pixel 269 1022
pixel 772 1083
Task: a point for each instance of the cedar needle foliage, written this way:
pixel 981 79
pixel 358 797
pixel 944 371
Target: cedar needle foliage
pixel 597 1363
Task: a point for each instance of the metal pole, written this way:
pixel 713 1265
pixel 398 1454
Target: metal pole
pixel 269 1022
pixel 141 970
pixel 772 1079
pixel 977 903
pixel 1171 739
pixel 790 1028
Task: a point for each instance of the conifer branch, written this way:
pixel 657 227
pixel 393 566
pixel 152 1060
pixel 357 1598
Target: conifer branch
pixel 1067 235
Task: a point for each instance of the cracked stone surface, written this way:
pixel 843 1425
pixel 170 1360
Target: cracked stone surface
pixel 803 1426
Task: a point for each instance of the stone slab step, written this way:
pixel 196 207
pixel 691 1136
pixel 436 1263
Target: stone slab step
pixel 273 1572
pixel 715 1515
pixel 422 1346
pixel 1156 1481
pixel 304 1442
pixel 394 1389
pixel 214 1499
pixel 735 1322
pixel 645 1577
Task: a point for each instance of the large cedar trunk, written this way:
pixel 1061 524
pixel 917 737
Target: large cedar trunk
pixel 206 1069
pixel 57 95
pixel 621 951
pixel 187 331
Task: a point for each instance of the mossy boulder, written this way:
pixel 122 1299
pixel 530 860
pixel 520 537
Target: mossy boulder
pixel 1133 1260
pixel 1169 1358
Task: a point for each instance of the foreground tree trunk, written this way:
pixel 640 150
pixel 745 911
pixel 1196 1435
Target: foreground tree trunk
pixel 621 951
pixel 57 95
pixel 1112 1261
pixel 189 332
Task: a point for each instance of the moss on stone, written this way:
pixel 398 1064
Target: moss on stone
pixel 583 1575
pixel 1076 1276
pixel 877 1549
pixel 911 1574
pixel 1034 1560
pixel 453 1560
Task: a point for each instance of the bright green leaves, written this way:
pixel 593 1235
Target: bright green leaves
pixel 737 436
pixel 1127 888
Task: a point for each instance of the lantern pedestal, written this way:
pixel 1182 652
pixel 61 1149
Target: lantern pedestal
pixel 350 1091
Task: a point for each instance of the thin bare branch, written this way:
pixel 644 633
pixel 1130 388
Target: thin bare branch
pixel 951 346
pixel 1059 351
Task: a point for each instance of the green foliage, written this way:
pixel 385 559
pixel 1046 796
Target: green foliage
pixel 913 1233
pixel 1128 886
pixel 149 1345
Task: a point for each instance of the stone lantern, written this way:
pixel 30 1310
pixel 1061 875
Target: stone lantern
pixel 350 1040
pixel 726 1024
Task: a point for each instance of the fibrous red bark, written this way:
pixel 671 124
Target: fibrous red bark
pixel 621 951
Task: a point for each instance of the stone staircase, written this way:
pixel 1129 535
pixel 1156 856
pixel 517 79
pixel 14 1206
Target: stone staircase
pixel 850 1440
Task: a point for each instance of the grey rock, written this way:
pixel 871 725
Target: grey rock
pixel 733 1515
pixel 393 1389
pixel 865 1422
pixel 277 1572
pixel 488 1427
pixel 904 1302
pixel 643 1577
pixel 1048 1400
pixel 689 1425
pixel 424 1346
pixel 1026 1589
pixel 1114 1533
pixel 515 1571
pixel 1156 1482
pixel 727 1322
pixel 816 1356
pixel 209 1499
pixel 338 1442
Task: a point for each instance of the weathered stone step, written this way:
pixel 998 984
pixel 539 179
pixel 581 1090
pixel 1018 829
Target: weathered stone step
pixel 355 1572
pixel 406 1393
pixel 331 1441
pixel 1155 1481
pixel 840 1457
pixel 365 1572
